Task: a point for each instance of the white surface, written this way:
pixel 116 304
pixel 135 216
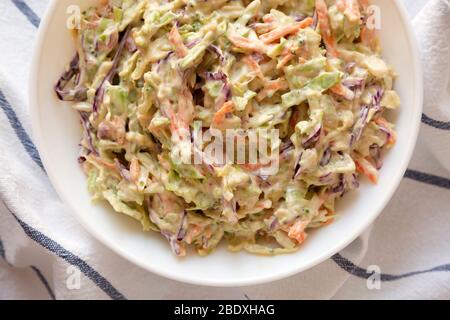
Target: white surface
pixel 436 56
pixel 57 134
pixel 410 235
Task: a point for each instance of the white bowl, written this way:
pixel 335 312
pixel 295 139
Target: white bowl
pixel 57 134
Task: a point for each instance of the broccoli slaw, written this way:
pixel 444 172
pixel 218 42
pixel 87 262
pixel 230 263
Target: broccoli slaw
pixel 148 75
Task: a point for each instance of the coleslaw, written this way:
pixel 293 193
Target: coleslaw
pixel 150 74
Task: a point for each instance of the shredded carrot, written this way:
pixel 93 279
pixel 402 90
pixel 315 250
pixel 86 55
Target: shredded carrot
pixel 180 118
pixel 254 66
pixel 171 115
pixel 278 84
pixel 342 91
pixel 364 4
pixel 392 139
pixel 301 52
pixel 271 87
pixel 297 231
pixel 295 118
pixel 282 31
pixel 330 43
pixel 287 55
pixel 252 166
pixel 106 164
pixel 383 123
pixel 177 42
pixel 286 58
pixel 328 39
pixel 350 8
pixel 247 44
pixel 329 213
pixel 364 167
pixel 369 38
pixel 176 125
pixel 268 18
pixel 134 169
pixel 185 109
pixel 264 27
pixel 219 116
pixel 305 23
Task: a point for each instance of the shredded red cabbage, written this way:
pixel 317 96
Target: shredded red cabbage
pixel 99 93
pixel 353 83
pixel 387 132
pixel 217 51
pixel 191 44
pixel 312 139
pixel 123 171
pixel 225 93
pixel 355 182
pixel 315 20
pixel 130 44
pixel 286 147
pixel 273 224
pixel 84 116
pixel 174 245
pixel 162 61
pixel 181 233
pixel 300 17
pixel 258 57
pixel 78 92
pixel 171 238
pixel 375 153
pixel 325 178
pixel 340 186
pixel 349 67
pixel 376 100
pixel 325 157
pixel 106 46
pixel 264 180
pixel 359 125
pixel 297 167
pixel 217 76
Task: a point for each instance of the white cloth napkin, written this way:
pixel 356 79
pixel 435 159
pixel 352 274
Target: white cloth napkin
pixel 45 253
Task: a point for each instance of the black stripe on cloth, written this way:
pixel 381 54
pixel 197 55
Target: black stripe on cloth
pixel 359 272
pixel 428 178
pixel 20 131
pixel 435 123
pixel 44 281
pixel 27 12
pixel 69 257
pixel 35 269
pixel 2 250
